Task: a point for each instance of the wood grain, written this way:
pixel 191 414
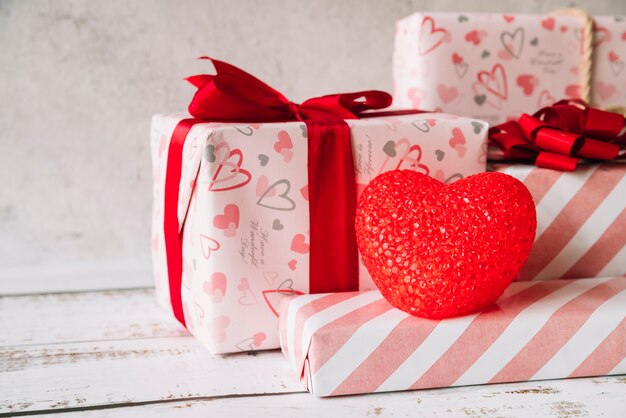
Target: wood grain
pixel 102 373
pixel 76 276
pixel 88 316
pixel 563 398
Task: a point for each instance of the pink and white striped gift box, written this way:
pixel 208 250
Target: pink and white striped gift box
pixel 581 221
pixel 347 343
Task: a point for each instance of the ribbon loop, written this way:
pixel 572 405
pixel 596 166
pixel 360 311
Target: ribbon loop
pixel 365 100
pixel 531 125
pixel 603 124
pixel 556 161
pixel 557 141
pixel 598 150
pixel 558 136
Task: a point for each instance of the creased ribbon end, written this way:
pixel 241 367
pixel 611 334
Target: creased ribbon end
pixel 199 80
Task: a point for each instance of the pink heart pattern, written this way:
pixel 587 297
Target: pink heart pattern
pixel 284 146
pixel 527 82
pixel 229 174
pixel 458 142
pixel 430 37
pixel 253 343
pixel 545 99
pixel 215 288
pixel 495 81
pixel 246 297
pixel 262 187
pixel 299 245
pixel 208 245
pixel 475 36
pixel 605 90
pixel 407 155
pixel 447 93
pixel 228 221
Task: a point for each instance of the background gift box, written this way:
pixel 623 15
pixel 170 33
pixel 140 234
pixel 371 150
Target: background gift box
pixel 497 66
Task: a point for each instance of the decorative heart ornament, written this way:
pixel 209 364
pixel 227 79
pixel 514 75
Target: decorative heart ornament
pixel 437 250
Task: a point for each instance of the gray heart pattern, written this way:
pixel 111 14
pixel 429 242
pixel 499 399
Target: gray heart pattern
pixel 246 130
pixel 421 125
pixel 390 148
pixel 455 176
pixel 286 287
pixel 263 159
pixel 478 127
pixel 617 67
pixel 461 69
pixel 284 204
pixel 513 42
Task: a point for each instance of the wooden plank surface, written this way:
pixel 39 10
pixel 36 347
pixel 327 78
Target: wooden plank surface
pixel 600 397
pixel 116 353
pixel 70 277
pixel 104 373
pixel 104 348
pixel 84 316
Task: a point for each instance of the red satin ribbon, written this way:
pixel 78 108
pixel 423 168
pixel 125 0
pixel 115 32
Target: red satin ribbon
pixel 232 95
pixel 171 228
pixel 559 136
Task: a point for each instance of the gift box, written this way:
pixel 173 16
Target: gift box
pixel 581 220
pixel 495 67
pixel 348 343
pixel 243 207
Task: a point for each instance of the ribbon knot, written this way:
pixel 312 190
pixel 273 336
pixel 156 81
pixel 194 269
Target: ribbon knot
pixel 559 136
pixel 294 109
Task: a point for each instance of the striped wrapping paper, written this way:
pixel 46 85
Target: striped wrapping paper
pixel 581 221
pixel 347 343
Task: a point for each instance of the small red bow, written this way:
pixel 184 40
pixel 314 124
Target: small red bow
pixel 558 136
pixel 233 95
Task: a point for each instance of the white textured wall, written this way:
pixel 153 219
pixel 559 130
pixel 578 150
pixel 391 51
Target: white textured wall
pixel 80 79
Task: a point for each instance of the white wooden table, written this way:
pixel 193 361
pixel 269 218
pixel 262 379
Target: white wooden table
pixel 116 353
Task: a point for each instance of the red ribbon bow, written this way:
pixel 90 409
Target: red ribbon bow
pixel 559 136
pixel 232 95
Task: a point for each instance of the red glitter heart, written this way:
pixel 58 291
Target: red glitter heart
pixel 437 250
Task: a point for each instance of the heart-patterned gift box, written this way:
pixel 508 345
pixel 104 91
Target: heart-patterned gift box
pixel 495 67
pixel 244 210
